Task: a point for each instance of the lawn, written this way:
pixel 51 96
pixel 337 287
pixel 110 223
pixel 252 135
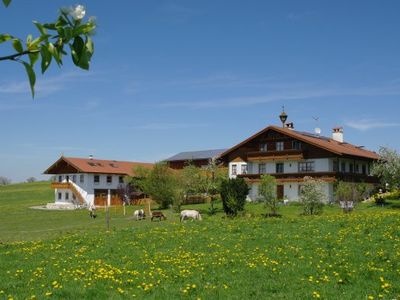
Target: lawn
pixel 66 255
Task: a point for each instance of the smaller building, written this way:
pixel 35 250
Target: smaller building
pixel 86 181
pixel 198 158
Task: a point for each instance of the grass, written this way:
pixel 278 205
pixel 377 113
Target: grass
pixel 65 255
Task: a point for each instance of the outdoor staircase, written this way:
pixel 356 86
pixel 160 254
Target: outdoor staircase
pixel 77 194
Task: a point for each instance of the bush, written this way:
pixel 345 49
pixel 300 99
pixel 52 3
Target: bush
pixel 233 195
pixel 312 197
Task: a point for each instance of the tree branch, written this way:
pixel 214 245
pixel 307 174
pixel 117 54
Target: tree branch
pixel 17 55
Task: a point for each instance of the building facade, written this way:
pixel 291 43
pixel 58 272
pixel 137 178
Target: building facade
pixel 80 181
pixel 290 156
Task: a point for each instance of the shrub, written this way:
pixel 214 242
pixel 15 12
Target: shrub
pixel 312 197
pixel 233 195
pixel 267 191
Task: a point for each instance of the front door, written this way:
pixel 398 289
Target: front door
pixel 279 191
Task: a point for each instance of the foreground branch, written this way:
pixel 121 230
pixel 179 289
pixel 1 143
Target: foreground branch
pixel 17 55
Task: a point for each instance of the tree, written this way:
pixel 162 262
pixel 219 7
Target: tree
pixel 387 168
pixel 267 191
pixel 214 176
pixel 351 191
pixel 69 29
pixel 233 194
pixel 191 179
pixel 312 197
pixel 4 180
pixel 31 179
pixel 160 183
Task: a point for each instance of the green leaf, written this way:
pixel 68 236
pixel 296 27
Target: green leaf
pixel 33 57
pixel 6 2
pixel 5 37
pixel 40 27
pixel 46 58
pixel 31 76
pixel 29 39
pixel 17 45
pixel 53 51
pixel 89 46
pixel 50 26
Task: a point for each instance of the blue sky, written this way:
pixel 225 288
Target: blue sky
pixel 171 76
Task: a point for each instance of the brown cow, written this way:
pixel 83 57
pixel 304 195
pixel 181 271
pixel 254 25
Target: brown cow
pixel 157 215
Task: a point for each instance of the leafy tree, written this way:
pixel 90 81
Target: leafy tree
pixel 387 168
pixel 191 179
pixel 161 183
pixel 31 179
pixel 213 177
pixel 4 180
pixel 68 31
pixel 312 197
pixel 233 194
pixel 267 191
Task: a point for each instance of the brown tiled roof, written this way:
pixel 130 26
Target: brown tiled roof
pixel 87 165
pixel 321 142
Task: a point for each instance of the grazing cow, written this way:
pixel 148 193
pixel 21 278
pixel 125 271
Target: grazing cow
pixel 139 214
pixel 157 215
pixel 194 214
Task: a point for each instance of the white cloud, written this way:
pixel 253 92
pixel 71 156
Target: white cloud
pixel 366 124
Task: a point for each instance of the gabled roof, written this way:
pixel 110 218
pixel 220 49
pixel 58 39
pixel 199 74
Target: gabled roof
pixel 195 155
pixel 322 142
pixel 87 165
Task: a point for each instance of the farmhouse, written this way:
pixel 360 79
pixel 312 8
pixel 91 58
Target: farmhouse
pixel 198 158
pixel 86 181
pixel 290 155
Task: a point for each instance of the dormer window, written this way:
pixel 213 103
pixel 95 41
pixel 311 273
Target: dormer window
pixel 263 147
pixel 279 146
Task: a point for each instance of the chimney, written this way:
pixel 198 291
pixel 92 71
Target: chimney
pixel 91 157
pixel 337 134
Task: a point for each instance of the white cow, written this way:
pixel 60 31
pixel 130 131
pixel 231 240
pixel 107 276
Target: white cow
pixel 139 214
pixel 188 213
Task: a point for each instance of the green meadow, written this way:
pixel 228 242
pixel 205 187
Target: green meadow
pixel 67 255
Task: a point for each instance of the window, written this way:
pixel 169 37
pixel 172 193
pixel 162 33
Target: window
pixel 109 179
pixel 307 166
pixel 343 167
pixel 121 179
pixel 59 196
pixel 261 169
pixel 364 169
pixel 300 190
pixel 296 145
pixel 81 178
pixel 279 168
pixel 60 178
pixel 243 169
pixel 357 168
pixel 351 169
pixel 279 146
pixel 67 178
pixel 335 166
pixel 96 179
pixel 234 169
pixel 263 147
pixel 73 178
pixel 66 196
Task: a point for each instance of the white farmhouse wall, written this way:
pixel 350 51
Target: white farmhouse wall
pixel 87 187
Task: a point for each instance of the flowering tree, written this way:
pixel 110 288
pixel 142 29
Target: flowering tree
pixel 387 168
pixel 312 197
pixel 70 29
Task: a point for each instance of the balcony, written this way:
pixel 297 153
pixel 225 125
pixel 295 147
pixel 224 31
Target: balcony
pixel 290 154
pixel 60 185
pixel 326 176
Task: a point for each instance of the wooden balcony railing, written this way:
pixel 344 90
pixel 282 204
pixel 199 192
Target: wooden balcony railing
pixel 352 177
pixel 290 154
pixel 60 185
